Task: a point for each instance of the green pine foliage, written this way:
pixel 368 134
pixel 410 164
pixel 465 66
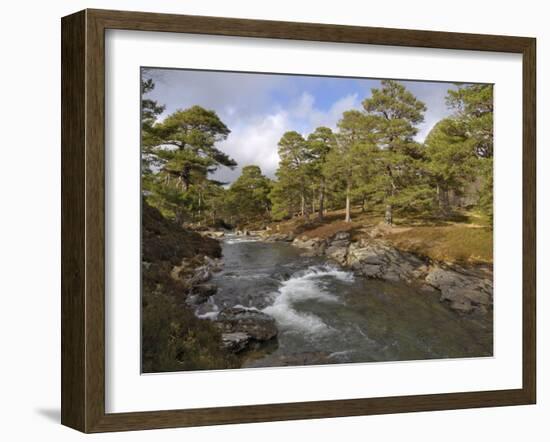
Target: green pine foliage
pixel 397 113
pixel 371 160
pixel 292 189
pixel 179 154
pixel 320 143
pixel 248 197
pixel 474 112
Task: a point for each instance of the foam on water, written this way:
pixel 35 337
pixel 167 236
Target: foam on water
pixel 230 239
pixel 326 270
pixel 212 312
pixel 306 285
pixel 248 309
pixel 212 315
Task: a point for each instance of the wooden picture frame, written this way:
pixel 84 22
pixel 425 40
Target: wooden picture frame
pixel 83 220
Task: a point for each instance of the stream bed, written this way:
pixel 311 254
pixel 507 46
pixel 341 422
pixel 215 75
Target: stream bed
pixel 325 314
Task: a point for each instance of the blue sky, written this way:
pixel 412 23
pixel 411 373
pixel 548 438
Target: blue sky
pixel 259 108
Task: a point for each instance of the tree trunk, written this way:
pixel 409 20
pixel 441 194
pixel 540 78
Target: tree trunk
pixel 446 204
pixel 348 202
pixel 304 208
pixel 388 216
pixel 443 200
pixel 200 207
pixel 185 176
pixel 321 200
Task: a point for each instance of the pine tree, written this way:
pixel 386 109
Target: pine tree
pixel 193 133
pixel 150 111
pixel 451 160
pixel 354 144
pixel 474 110
pixel 397 112
pixel 320 143
pixel 293 176
pixel 186 153
pixel 249 194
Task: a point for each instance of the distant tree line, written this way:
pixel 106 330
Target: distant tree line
pixel 372 160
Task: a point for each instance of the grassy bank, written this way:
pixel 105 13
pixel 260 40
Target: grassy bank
pixel 465 238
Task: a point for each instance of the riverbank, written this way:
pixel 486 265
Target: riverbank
pixel 465 238
pixel 426 256
pixel 176 266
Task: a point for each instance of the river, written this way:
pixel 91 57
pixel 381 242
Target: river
pixel 325 314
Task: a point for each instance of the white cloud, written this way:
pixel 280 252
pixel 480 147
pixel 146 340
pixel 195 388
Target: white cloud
pixel 255 143
pixel 228 93
pixel 254 140
pixel 333 115
pixel 309 116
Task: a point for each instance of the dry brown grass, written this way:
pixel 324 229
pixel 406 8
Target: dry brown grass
pixel 461 243
pixel 329 229
pixel 465 238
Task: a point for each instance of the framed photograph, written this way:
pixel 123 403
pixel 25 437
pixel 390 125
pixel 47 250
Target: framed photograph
pixel 269 220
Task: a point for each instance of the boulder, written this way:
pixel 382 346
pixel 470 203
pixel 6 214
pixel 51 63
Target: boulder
pixel 376 259
pixel 337 252
pixel 213 234
pixel 370 270
pixel 201 274
pixel 204 291
pixel 200 294
pixel 235 341
pixel 462 306
pixel 476 297
pixel 257 325
pixel 257 233
pixel 280 237
pixel 342 236
pixel 443 278
pixel 340 240
pixel 337 247
pixel 464 291
pixel 308 243
pixel 213 264
pixel 362 253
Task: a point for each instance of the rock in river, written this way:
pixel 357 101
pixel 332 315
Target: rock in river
pixel 312 246
pixel 289 237
pixel 338 247
pixel 464 291
pixel 375 259
pixel 201 293
pixel 236 341
pixel 236 322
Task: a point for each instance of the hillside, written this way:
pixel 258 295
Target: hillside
pixel 173 338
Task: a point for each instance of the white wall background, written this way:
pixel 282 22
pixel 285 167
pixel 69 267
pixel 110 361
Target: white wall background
pixel 30 217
